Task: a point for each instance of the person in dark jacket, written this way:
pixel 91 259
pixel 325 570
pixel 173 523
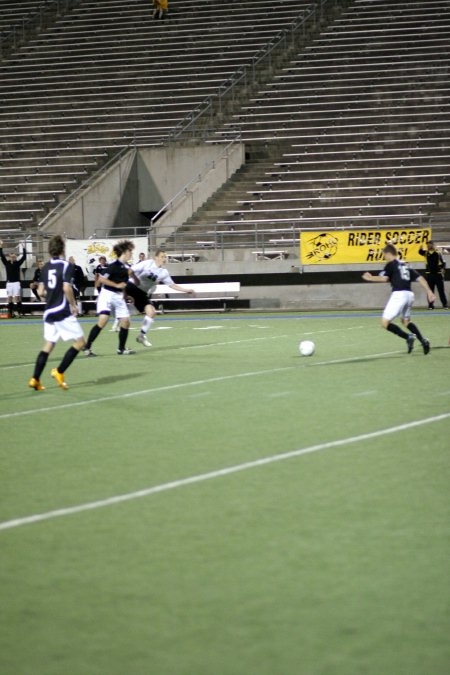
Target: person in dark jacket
pixel 13 285
pixel 435 272
pixel 78 283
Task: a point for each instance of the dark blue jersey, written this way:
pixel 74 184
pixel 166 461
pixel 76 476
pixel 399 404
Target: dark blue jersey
pixel 54 275
pixel 400 275
pixel 117 271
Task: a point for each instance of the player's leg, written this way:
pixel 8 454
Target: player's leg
pixel 102 320
pixel 50 339
pixel 393 309
pixel 10 294
pixel 406 321
pixel 150 313
pixel 18 301
pixel 123 314
pixel 68 329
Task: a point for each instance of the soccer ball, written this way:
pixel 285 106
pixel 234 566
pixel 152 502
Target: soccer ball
pixel 307 348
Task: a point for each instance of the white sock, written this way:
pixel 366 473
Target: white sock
pixel 146 324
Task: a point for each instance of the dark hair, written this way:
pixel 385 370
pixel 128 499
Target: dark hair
pixel 159 251
pixel 390 248
pixel 56 246
pixel 122 246
pixel 430 242
pixel 102 257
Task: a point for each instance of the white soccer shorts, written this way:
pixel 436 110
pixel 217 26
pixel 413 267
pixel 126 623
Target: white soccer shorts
pixel 67 329
pixel 399 304
pixel 109 302
pixel 13 289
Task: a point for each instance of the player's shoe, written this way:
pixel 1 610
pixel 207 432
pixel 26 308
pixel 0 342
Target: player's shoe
pixel 410 341
pixel 59 377
pixel 426 346
pixel 88 352
pixel 125 352
pixel 142 338
pixel 36 384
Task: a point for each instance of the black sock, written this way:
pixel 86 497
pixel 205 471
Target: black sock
pixel 123 334
pixel 68 357
pixel 93 335
pixel 11 308
pixel 413 328
pixel 36 294
pixel 19 308
pixel 40 365
pixel 393 328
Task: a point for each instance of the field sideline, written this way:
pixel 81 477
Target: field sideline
pixel 218 504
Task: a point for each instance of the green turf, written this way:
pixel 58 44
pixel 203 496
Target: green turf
pixel 332 563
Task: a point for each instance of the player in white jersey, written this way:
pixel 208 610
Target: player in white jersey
pixel 145 276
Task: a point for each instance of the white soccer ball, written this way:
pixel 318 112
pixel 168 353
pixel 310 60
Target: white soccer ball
pixel 307 348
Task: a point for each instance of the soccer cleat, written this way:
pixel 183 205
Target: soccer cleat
pixel 142 338
pixel 426 346
pixel 125 352
pixel 410 341
pixel 89 352
pixel 59 377
pixel 36 384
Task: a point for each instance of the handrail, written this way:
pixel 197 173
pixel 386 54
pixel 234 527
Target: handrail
pixel 23 24
pixel 197 179
pixel 229 85
pixel 89 180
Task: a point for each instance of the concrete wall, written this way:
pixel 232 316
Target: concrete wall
pixel 165 171
pixel 99 205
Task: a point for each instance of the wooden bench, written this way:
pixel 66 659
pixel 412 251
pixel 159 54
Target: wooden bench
pixel 187 256
pixel 220 293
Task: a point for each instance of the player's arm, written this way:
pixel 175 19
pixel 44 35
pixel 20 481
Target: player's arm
pixel 368 276
pixel 423 282
pixel 23 257
pixel 134 277
pixel 113 284
pixel 68 292
pixel 182 289
pixel 2 257
pixel 423 252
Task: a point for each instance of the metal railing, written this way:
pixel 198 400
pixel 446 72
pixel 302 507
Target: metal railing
pixel 37 20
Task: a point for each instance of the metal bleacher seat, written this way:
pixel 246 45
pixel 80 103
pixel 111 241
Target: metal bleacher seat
pixel 358 123
pixel 105 73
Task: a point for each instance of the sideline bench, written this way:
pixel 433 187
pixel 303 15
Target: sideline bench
pixel 207 296
pixel 270 255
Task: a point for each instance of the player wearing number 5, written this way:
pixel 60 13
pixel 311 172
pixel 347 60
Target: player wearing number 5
pixel 401 301
pixel 60 320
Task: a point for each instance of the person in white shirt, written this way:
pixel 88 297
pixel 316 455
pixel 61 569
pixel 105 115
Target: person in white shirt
pixel 145 276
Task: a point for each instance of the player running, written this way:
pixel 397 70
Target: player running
pixel 112 299
pixel 60 320
pixel 146 275
pixel 401 301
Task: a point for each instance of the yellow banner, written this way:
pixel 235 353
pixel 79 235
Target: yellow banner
pixel 360 246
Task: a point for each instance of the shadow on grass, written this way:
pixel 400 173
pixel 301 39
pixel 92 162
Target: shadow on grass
pixel 109 379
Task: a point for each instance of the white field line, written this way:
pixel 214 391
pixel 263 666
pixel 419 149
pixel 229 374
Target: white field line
pixel 182 385
pixel 219 473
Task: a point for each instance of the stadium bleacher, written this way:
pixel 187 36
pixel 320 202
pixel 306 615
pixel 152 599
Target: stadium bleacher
pixel 358 125
pixel 106 73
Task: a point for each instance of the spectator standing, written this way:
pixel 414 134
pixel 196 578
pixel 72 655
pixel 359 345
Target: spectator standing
pixel 13 286
pixel 435 272
pixel 161 7
pixel 78 283
pixel 34 284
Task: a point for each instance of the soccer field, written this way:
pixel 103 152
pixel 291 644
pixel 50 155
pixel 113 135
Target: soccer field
pixel 219 505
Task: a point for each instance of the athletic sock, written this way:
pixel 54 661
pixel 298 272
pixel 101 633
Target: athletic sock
pixel 40 365
pixel 123 334
pixel 68 357
pixel 11 308
pixel 413 328
pixel 19 308
pixel 93 335
pixel 146 324
pixel 36 294
pixel 393 328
